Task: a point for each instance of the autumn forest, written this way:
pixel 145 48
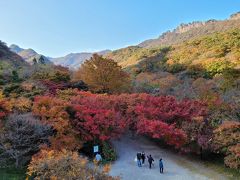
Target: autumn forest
pixel 183 95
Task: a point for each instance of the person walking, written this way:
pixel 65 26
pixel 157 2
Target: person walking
pixel 161 165
pixel 98 158
pixel 143 157
pixel 150 161
pixel 139 156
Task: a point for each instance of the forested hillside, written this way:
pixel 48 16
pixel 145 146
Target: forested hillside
pixel 204 67
pixel 184 33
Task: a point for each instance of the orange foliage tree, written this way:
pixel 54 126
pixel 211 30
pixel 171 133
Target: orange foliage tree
pixel 227 140
pixel 5 106
pixel 52 111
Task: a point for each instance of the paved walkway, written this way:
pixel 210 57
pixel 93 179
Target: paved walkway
pixel 175 166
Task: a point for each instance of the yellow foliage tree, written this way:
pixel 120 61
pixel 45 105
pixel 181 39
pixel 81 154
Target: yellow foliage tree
pixel 22 104
pixel 103 75
pixel 50 164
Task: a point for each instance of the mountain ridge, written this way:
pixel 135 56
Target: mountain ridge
pixel 71 60
pixel 187 31
pixel 74 60
pixel 123 56
pixel 29 55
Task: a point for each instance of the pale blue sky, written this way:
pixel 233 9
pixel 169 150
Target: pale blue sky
pixel 57 27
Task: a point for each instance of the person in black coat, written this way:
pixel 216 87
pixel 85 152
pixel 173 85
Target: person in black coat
pixel 139 157
pixel 150 161
pixel 143 157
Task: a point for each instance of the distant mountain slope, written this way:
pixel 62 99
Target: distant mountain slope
pixel 29 55
pixel 218 50
pixel 9 59
pixel 206 57
pixel 74 60
pixel 134 54
pixel 192 30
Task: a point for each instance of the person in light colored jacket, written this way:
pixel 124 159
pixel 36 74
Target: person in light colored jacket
pixel 98 158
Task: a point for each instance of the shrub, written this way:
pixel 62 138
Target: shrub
pixel 12 89
pixel 175 68
pixel 232 160
pixel 22 104
pixel 214 68
pixel 226 140
pixel 50 164
pixel 109 153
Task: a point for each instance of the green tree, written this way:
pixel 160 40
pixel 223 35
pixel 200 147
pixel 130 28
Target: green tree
pixel 34 61
pixel 41 60
pixel 15 77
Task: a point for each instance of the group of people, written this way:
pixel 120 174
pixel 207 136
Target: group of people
pixel 141 157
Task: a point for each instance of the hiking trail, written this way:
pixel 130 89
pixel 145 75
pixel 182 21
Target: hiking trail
pixel 175 166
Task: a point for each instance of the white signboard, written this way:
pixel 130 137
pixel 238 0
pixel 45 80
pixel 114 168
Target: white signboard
pixel 95 149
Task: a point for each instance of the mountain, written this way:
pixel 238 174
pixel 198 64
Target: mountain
pixel 192 30
pixel 74 60
pixel 132 55
pixel 150 48
pixel 10 64
pixel 29 55
pixel 15 48
pixel 9 59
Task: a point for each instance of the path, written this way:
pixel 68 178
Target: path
pixel 175 166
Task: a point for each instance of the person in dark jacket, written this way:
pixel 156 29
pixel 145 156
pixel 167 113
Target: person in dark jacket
pixel 139 157
pixel 143 157
pixel 161 165
pixel 150 161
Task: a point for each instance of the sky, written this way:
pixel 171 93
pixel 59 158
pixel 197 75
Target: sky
pixel 57 27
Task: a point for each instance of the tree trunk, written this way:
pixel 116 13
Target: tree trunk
pixel 17 163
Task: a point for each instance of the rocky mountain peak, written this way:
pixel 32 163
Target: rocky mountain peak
pixel 15 48
pixel 186 27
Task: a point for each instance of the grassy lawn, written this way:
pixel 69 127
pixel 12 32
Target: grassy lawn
pixel 12 174
pixel 219 167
